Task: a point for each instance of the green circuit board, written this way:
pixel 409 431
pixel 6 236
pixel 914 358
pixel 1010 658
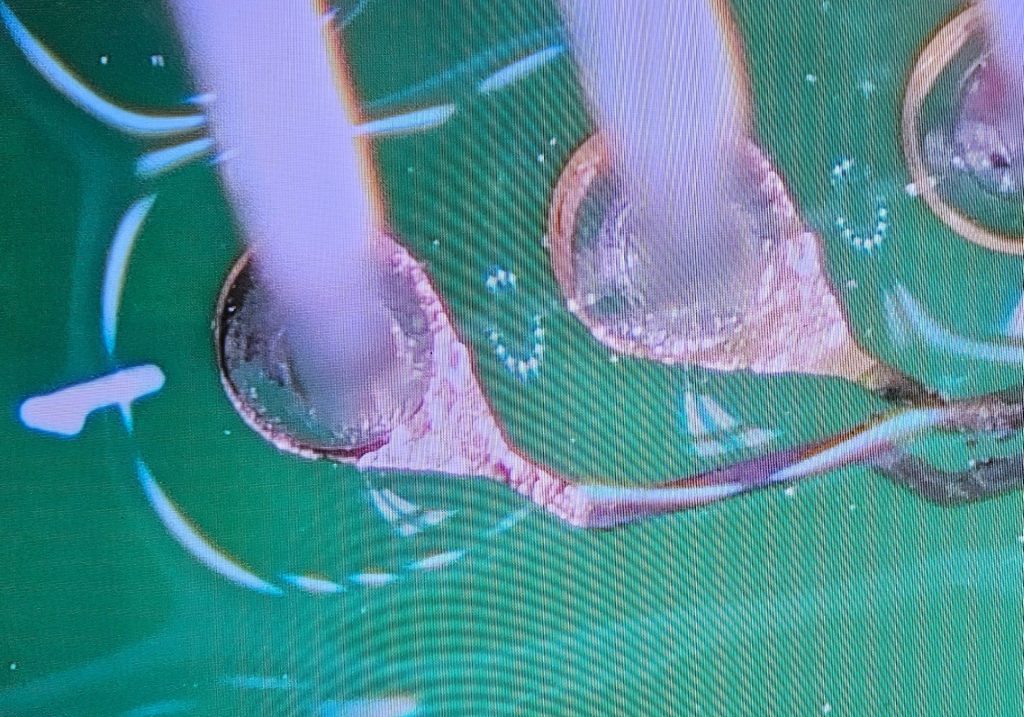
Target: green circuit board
pixel 441 595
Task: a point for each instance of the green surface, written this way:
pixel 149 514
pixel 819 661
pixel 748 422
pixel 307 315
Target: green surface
pixel 849 596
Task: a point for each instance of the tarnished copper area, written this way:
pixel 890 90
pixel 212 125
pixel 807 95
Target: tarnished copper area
pixel 789 321
pixel 933 60
pixel 453 430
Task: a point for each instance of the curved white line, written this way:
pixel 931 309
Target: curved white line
pixel 386 511
pixel 392 507
pixel 475 65
pixel 158 709
pixel 406 507
pixel 201 99
pixel 404 516
pixel 717 417
pixel 753 437
pixel 694 422
pixel 438 560
pixel 1015 323
pixel 165 159
pixel 431 518
pixel 941 337
pixel 408 122
pixel 896 323
pixel 519 69
pixel 261 682
pixel 708 448
pixel 190 539
pixel 68 84
pixel 373 580
pixel 354 13
pixel 117 266
pixel 371 707
pixel 316 586
pixel 509 521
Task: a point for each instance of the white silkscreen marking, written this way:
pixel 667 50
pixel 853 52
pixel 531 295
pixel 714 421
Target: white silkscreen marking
pixel 64 411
